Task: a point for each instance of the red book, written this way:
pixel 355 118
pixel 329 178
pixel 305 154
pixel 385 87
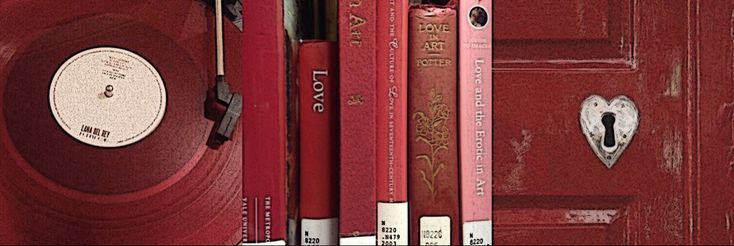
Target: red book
pixel 475 117
pixel 264 198
pixel 319 142
pixel 391 119
pixel 357 204
pixel 432 130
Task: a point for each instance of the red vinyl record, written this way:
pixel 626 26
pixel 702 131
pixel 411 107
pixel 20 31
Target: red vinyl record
pixel 104 128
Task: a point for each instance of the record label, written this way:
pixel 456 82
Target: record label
pixel 107 97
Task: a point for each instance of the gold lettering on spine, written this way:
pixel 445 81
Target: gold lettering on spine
pixel 355 100
pixel 435 45
pixel 355 22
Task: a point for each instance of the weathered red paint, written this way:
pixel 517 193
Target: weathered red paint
pixel 713 154
pixel 672 185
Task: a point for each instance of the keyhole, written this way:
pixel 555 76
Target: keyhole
pixel 608 121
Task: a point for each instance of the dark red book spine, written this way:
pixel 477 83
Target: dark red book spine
pixel 263 117
pixel 391 119
pixel 432 130
pixel 319 142
pixel 357 119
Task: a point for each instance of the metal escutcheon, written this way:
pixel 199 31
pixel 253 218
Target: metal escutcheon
pixel 609 126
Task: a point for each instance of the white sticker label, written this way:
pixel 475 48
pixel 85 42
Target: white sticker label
pixel 364 240
pixel 279 242
pixel 107 97
pixel 392 223
pixel 435 230
pixel 319 231
pixel 478 233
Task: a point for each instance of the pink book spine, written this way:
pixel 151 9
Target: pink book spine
pixel 475 127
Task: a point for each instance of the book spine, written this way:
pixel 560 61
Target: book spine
pixel 357 214
pixel 319 142
pixel 391 112
pixel 475 117
pixel 264 123
pixel 432 130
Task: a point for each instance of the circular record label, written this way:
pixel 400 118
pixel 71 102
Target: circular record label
pixel 107 97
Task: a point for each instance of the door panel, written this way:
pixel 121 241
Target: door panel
pixel 549 186
pixel 564 33
pixel 544 220
pixel 715 104
pixel 552 20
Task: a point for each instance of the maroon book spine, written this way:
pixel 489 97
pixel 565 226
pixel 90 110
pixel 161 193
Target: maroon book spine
pixel 432 128
pixel 357 206
pixel 319 142
pixel 391 119
pixel 264 123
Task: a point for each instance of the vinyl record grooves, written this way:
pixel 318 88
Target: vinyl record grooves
pixel 166 185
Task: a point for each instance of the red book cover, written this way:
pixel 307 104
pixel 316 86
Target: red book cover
pixel 264 198
pixel 357 206
pixel 391 119
pixel 432 130
pixel 475 117
pixel 319 142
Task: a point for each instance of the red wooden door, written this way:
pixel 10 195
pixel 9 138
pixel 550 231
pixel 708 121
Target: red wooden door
pixel 672 183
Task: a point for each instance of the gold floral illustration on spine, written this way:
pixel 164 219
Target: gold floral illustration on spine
pixel 432 130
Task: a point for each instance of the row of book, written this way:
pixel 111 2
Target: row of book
pixel 375 130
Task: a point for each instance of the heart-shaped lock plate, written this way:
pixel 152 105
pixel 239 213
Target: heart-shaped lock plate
pixel 609 126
